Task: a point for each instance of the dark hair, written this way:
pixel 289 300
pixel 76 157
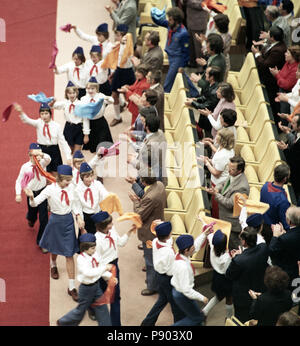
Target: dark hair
pixel 220 248
pixel 229 116
pixel 81 57
pixel 148 180
pixel 281 172
pixel 287 5
pixel 152 122
pixel 249 235
pixel 222 22
pixel 101 226
pixel 45 110
pixel 276 279
pixel 295 52
pixel 162 237
pixel 177 14
pixel 216 43
pixel 142 69
pixel 156 76
pixel 288 318
pixel 151 96
pixel 182 251
pixel 105 34
pixel 86 245
pixel 86 174
pixel 215 71
pixel 277 33
pixel 154 37
pixel 146 111
pixel 227 91
pixel 239 161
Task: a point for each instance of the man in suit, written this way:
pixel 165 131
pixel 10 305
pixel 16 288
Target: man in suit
pixel 152 152
pixel 224 195
pixel 292 155
pixel 150 207
pixel 154 78
pixel 214 47
pixel 153 58
pixel 284 246
pixel 125 13
pixel 273 55
pixel 247 271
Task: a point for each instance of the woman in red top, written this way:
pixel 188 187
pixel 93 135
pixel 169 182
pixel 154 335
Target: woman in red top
pixel 286 77
pixel 136 88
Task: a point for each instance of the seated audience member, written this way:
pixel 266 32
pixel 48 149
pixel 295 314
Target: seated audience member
pixel 153 58
pixel 270 57
pixel 286 77
pixel 284 245
pixel 266 307
pixel 154 78
pixel 288 318
pixel 224 195
pixel 274 194
pixel 218 165
pixel 292 155
pixel 136 88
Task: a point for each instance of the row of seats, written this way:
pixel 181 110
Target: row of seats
pixel 256 142
pixel 186 199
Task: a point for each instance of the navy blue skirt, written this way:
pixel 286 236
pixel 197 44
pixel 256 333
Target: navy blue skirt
pixel 221 286
pixel 59 236
pixel 122 76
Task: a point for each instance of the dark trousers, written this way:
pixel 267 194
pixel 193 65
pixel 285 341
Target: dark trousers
pixel 193 314
pixel 87 295
pixel 242 313
pixel 41 211
pixel 115 311
pixel 254 24
pixel 151 274
pixel 165 297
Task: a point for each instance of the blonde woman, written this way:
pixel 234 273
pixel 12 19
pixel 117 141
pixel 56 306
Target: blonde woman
pixel 218 165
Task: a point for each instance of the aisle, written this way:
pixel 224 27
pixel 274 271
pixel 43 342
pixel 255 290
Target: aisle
pixel 24 70
pixel 134 307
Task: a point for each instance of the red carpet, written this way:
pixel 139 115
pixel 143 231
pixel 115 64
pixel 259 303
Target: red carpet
pixel 25 56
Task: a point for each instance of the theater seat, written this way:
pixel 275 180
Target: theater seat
pixel 239 79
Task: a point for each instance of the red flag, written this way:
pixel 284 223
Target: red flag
pixel 66 28
pixel 6 112
pixel 54 54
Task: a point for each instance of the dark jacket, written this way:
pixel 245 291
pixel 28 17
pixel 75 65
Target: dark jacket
pixel 271 58
pixel 292 155
pixel 247 271
pixel 217 60
pixel 268 307
pixel 285 251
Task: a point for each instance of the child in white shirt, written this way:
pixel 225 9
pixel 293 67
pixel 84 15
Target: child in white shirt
pixel 36 183
pixel 90 270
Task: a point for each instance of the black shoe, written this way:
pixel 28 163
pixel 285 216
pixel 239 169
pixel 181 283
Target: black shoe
pixel 147 292
pixel 30 223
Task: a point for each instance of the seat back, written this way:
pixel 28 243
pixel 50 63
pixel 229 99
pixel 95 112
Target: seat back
pixel 252 83
pixel 196 205
pixel 177 86
pixel 260 111
pixel 270 161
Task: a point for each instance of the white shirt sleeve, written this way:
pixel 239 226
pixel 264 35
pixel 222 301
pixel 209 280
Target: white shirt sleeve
pixel 18 181
pixel 90 38
pixel 216 124
pixel 45 194
pixel 26 120
pixel 62 141
pixel 199 241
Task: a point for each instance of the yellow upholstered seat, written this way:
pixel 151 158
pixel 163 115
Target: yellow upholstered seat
pixel 239 79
